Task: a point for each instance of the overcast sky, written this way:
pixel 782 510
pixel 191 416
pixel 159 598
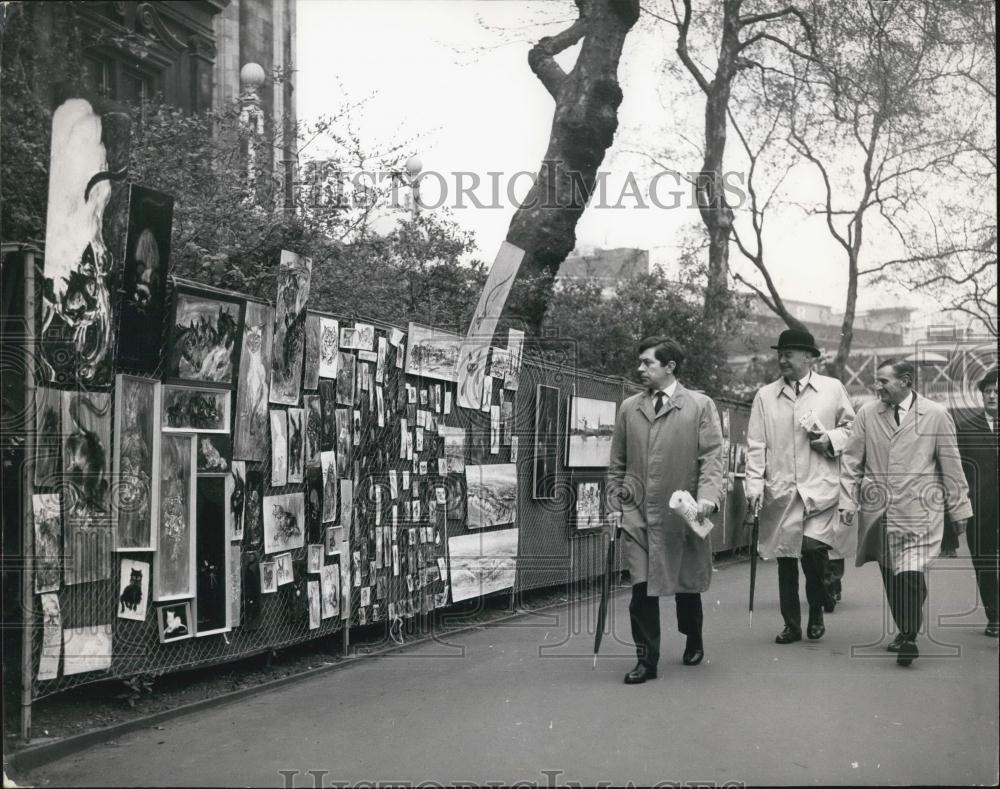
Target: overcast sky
pixel 456 75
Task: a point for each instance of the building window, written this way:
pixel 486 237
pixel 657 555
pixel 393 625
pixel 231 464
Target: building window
pixel 100 76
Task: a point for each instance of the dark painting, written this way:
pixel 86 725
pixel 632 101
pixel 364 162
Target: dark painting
pixel 546 441
pixel 204 338
pixel 144 278
pixel 314 504
pixel 313 429
pixel 310 371
pixel 253 513
pixel 214 454
pixel 48 436
pixel 212 555
pixel 328 406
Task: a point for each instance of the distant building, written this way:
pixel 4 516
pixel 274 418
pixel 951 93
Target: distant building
pixel 607 267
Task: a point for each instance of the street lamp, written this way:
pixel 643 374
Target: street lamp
pixel 413 167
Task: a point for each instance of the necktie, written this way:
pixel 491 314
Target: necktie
pixel 798 386
pixel 895 413
pixel 659 402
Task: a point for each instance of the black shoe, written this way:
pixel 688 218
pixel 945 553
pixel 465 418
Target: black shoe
pixel 640 674
pixel 992 630
pixel 908 652
pixel 896 644
pixel 836 596
pixel 788 636
pixel 830 605
pixel 815 629
pixel 693 653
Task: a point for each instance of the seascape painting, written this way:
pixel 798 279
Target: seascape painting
pixel 144 279
pixel 310 369
pixel 590 427
pixel 546 442
pixel 187 409
pixel 482 563
pixel 89 156
pixel 136 462
pixel 173 567
pixel 284 522
pixel 296 445
pixel 279 448
pixel 432 353
pixel 204 338
pixel 491 494
pixel 250 428
pixel 46 509
pixel 287 359
pixel 329 347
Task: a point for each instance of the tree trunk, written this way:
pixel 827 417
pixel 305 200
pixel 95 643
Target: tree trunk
pixel 583 128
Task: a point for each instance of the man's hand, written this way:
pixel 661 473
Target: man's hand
pixel 821 443
pixel 959 526
pixel 705 508
pixel 753 502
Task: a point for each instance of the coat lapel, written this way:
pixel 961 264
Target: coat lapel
pixel 646 406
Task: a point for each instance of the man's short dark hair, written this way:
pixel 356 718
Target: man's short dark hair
pixel 990 379
pixel 901 368
pixel 665 350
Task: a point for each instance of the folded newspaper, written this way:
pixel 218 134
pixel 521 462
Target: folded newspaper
pixel 811 424
pixel 683 504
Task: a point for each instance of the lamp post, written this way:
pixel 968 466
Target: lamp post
pixel 413 167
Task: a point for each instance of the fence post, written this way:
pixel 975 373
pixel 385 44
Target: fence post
pixel 27 476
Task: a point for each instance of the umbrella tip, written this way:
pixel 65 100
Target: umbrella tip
pixel 595 663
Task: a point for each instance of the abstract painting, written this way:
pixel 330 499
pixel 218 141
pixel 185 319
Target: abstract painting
pixel 236 494
pixel 204 338
pixel 591 425
pixel 251 427
pixel 89 153
pixel 136 461
pixel 588 511
pixel 174 622
pixel 144 278
pixel 328 461
pixel 546 441
pixel 482 563
pixel 48 435
pixel 491 494
pixel 343 443
pixel 329 347
pixel 46 510
pixel 296 445
pixel 133 590
pixel 279 448
pixel 253 511
pixel 187 409
pixel 329 582
pixel 310 369
pixel 359 337
pixel 284 522
pixel 290 328
pixel 86 649
pixel 432 353
pixel 345 379
pixel 313 429
pixel 48 660
pixel 328 406
pixel 214 454
pixel 173 568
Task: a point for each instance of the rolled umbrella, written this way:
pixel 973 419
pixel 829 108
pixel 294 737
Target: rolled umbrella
pixel 754 534
pixel 602 611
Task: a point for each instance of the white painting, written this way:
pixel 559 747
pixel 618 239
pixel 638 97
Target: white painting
pixel 482 563
pixel 86 649
pixel 329 347
pixel 133 590
pixel 283 565
pixel 47 512
pixel 279 448
pixel 491 494
pixel 284 522
pixel 329 580
pixel 454 448
pixel 359 337
pixel 312 590
pixel 432 353
pixel 48 660
pixel 591 426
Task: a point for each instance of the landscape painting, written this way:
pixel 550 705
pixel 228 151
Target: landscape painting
pixel 136 461
pixel 188 409
pixel 482 563
pixel 329 347
pixel 144 278
pixel 284 522
pixel 250 429
pixel 48 435
pixel 345 379
pixel 294 274
pixel 491 494
pixel 310 369
pixel 46 510
pixel 546 442
pixel 133 590
pixel 90 145
pixel 591 425
pixel 432 353
pixel 296 445
pixel 173 567
pixel 279 447
pixel 204 338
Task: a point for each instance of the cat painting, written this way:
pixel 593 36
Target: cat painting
pixel 133 595
pixel 136 461
pixel 289 335
pixel 296 445
pixel 253 390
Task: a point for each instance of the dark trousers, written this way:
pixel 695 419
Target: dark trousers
pixel 644 614
pixel 986 578
pixel 905 593
pixel 834 576
pixel 815 558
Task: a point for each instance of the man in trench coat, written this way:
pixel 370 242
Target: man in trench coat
pixel 798 427
pixel 666 439
pixel 977 444
pixel 901 472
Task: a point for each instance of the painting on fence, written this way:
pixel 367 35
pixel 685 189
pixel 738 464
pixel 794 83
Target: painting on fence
pixel 294 274
pixel 250 429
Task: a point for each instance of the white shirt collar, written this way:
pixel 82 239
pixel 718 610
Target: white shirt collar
pixel 905 406
pixel 668 391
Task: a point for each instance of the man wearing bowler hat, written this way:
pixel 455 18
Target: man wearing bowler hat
pixel 799 424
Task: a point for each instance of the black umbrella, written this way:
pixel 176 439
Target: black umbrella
pixel 754 534
pixel 602 611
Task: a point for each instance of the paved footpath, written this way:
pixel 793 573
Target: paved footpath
pixel 520 702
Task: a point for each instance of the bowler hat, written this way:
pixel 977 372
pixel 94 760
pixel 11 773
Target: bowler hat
pixel 796 339
pixel 989 378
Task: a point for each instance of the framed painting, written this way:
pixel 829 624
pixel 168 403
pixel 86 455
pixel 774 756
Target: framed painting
pixel 144 279
pixel 546 442
pixel 359 337
pixel 294 273
pixel 214 453
pixel 174 561
pixel 432 353
pixel 211 601
pixel 136 462
pixel 590 428
pixel 204 341
pixel 188 409
pixel 250 427
pixel 589 510
pixel 284 522
pixel 174 622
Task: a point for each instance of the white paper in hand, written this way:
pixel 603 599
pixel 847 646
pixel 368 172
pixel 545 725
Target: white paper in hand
pixel 811 424
pixel 683 504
